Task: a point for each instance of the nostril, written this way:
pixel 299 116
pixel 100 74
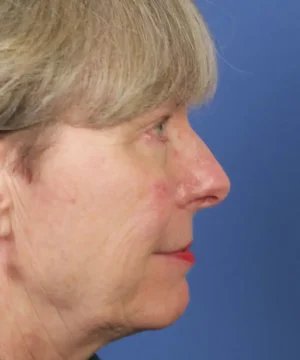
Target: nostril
pixel 207 201
pixel 210 200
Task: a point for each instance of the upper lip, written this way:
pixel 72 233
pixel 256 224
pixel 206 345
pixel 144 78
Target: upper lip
pixel 179 250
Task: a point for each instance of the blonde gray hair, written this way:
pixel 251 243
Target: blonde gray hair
pixel 113 59
pixel 96 63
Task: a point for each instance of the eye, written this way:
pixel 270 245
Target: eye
pixel 160 128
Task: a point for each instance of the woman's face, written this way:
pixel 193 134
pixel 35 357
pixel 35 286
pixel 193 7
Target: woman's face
pixel 106 202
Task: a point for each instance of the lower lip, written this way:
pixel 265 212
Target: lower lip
pixel 186 256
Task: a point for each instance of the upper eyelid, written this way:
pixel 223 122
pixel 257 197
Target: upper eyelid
pixel 158 120
pixel 152 124
pixel 164 118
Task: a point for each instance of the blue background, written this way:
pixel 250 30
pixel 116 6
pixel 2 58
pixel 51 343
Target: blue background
pixel 245 287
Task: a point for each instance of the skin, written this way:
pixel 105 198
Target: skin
pixel 79 262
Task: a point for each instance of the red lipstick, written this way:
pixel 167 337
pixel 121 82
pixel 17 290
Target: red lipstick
pixel 187 256
pixel 183 254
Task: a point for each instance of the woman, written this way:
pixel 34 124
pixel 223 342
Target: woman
pixel 101 172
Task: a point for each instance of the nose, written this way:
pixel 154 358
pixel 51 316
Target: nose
pixel 203 182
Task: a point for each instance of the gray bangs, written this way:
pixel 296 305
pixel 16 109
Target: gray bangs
pixel 157 51
pixel 112 59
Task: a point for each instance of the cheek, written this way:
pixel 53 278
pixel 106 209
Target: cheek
pixel 148 215
pixel 175 154
pixel 140 235
pixel 142 223
pixel 162 204
pixel 161 191
pixel 162 201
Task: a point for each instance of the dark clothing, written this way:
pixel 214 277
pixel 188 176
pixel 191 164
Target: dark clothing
pixel 94 357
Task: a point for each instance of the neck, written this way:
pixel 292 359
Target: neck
pixel 30 329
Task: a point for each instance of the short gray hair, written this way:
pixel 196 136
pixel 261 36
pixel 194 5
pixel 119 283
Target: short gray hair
pixel 113 59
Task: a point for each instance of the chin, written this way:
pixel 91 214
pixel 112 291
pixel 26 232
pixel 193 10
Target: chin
pixel 162 308
pixel 172 308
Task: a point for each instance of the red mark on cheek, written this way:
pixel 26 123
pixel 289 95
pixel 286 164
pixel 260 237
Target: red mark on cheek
pixel 176 153
pixel 161 190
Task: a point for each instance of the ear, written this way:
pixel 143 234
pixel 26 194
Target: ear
pixel 5 207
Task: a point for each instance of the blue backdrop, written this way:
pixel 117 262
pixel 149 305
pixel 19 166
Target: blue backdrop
pixel 245 287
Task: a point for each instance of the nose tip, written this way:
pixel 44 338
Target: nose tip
pixel 213 187
pixel 205 187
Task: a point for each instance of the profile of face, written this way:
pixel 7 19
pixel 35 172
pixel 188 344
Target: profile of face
pixel 94 228
pixel 93 104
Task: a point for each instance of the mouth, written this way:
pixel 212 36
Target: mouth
pixel 181 254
